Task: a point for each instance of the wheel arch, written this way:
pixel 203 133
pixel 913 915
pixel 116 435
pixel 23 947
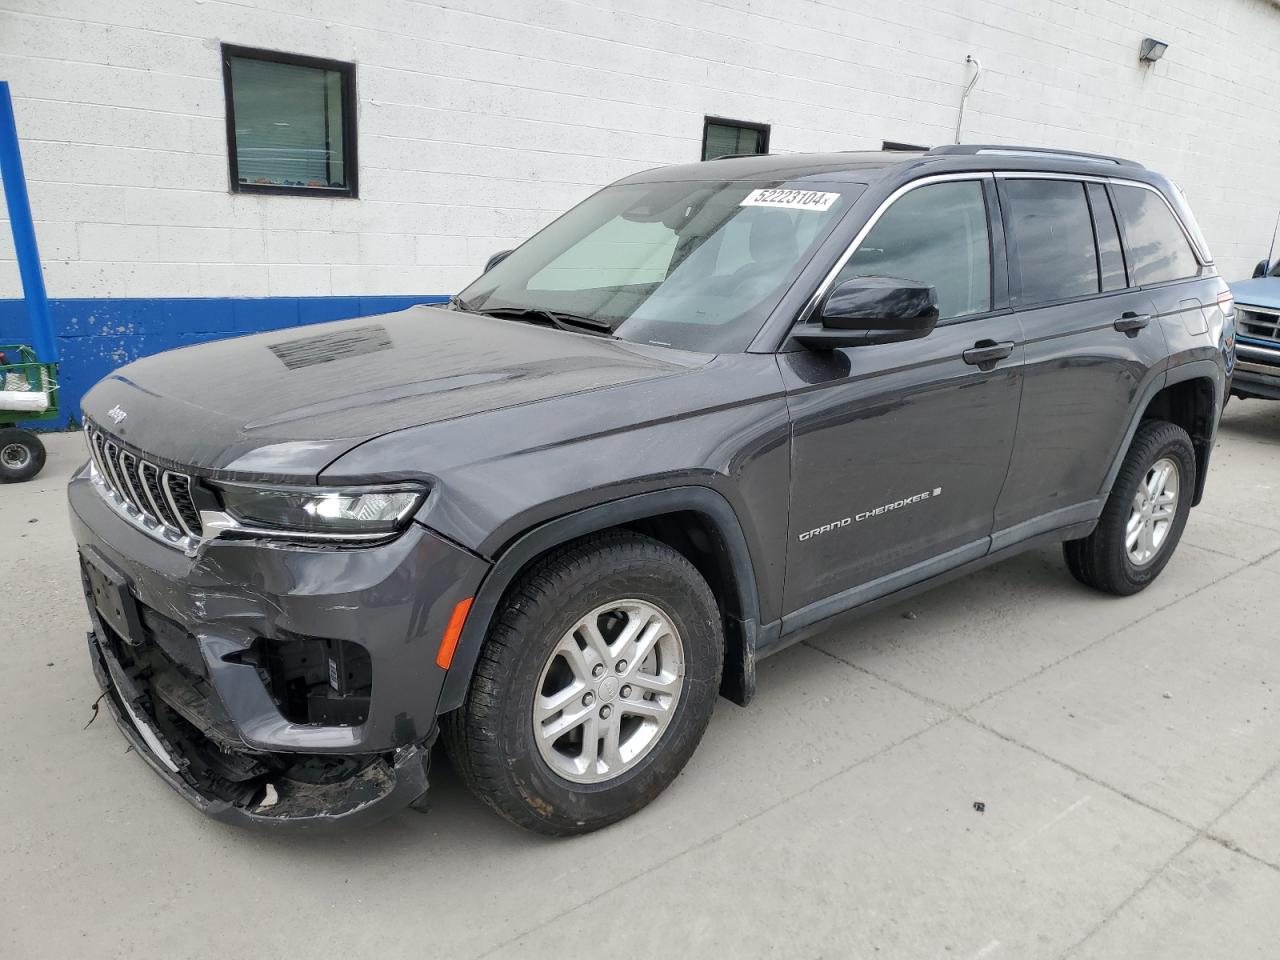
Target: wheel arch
pixel 1192 400
pixel 1189 395
pixel 696 521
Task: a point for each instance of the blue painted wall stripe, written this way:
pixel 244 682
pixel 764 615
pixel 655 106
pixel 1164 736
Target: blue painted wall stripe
pixel 96 336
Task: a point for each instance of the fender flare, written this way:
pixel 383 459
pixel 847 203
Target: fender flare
pixel 1194 370
pixel 538 540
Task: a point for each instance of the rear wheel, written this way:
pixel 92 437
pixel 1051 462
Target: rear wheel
pixel 594 686
pixel 21 455
pixel 1144 515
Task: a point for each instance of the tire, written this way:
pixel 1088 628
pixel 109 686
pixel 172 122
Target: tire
pixel 1105 560
pixel 22 455
pixel 507 757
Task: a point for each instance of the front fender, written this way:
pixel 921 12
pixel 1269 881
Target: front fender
pixel 698 499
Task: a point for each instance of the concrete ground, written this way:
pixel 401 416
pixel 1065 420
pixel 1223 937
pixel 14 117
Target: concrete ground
pixel 1127 753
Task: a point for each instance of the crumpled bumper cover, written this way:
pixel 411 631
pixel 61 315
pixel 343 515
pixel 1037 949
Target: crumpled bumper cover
pixel 385 785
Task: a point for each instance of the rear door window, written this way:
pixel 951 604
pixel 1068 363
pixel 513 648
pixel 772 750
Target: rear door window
pixel 1157 248
pixel 1110 258
pixel 1054 255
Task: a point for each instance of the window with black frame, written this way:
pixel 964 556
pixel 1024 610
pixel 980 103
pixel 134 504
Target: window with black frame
pixel 291 125
pixel 722 138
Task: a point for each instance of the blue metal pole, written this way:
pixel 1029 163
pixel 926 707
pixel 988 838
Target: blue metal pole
pixel 24 233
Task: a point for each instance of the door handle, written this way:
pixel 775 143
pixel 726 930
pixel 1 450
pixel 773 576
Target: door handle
pixel 1131 322
pixel 986 353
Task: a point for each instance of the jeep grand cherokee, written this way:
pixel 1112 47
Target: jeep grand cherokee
pixel 693 420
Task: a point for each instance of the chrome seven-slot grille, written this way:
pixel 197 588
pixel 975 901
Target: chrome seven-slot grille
pixel 162 498
pixel 1260 323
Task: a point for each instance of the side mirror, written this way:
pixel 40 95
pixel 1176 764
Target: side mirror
pixel 866 310
pixel 496 259
pixel 1261 269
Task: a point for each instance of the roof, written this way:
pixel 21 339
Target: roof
pixel 865 166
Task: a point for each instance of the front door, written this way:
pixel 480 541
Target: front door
pixel 899 450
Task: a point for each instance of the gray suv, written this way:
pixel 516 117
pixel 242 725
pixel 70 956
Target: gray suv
pixel 700 416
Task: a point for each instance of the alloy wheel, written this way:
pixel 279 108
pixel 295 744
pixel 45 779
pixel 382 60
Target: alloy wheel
pixel 1155 504
pixel 608 691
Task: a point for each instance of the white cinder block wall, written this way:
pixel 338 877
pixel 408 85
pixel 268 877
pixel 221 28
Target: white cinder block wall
pixel 479 120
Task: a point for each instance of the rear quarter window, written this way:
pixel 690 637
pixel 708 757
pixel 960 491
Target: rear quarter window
pixel 1157 248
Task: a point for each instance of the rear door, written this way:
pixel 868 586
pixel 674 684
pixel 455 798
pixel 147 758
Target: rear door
pixel 899 449
pixel 1092 346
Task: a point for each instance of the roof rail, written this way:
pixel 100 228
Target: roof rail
pixel 1004 150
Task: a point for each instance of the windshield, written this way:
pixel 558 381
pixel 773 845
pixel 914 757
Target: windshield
pixel 693 265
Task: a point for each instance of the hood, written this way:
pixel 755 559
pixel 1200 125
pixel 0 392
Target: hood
pixel 1258 292
pixel 286 403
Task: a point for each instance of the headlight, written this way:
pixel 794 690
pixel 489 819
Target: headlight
pixel 346 512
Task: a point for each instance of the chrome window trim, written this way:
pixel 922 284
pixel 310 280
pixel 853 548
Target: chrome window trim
pixel 1195 248
pixel 1051 175
pixel 978 176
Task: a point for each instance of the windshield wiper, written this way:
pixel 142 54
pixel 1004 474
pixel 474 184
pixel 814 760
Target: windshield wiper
pixel 554 318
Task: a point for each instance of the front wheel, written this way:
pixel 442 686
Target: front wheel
pixel 594 686
pixel 1143 517
pixel 21 455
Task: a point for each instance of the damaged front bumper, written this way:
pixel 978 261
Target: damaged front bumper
pixel 269 794
pixel 273 685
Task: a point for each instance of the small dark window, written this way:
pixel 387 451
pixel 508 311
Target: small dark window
pixel 935 234
pixel 894 146
pixel 1055 256
pixel 722 138
pixel 291 123
pixel 1157 248
pixel 1110 257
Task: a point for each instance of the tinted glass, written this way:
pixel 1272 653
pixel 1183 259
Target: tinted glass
pixel 1158 249
pixel 937 235
pixel 696 265
pixel 288 124
pixel 1104 223
pixel 1055 257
